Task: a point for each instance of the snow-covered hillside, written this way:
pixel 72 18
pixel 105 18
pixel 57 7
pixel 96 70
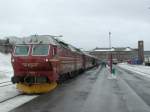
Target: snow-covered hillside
pixel 6 70
pixel 10 97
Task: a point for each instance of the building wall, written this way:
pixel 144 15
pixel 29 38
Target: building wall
pixel 120 56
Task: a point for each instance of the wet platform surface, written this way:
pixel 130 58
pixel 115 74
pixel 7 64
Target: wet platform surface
pixel 96 91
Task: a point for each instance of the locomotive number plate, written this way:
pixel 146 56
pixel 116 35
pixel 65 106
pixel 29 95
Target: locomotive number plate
pixel 30 65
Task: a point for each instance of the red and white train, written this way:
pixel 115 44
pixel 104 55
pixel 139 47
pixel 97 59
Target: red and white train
pixel 41 61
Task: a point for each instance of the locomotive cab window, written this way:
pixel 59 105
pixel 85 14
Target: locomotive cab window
pixel 21 50
pixel 40 50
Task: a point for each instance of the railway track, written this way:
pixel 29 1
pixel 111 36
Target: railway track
pixel 10 98
pixel 15 101
pixel 6 83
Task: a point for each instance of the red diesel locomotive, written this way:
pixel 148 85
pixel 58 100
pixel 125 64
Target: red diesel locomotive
pixel 41 61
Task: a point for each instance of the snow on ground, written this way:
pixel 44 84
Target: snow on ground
pixel 140 69
pixel 6 70
pixel 13 103
pixel 6 92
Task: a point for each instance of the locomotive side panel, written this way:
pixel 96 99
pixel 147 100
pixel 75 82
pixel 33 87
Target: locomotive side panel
pixel 79 62
pixel 67 61
pixel 89 62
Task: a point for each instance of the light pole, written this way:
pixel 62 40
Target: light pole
pixel 110 54
pixel 109 40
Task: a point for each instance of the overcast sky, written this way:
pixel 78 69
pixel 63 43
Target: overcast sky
pixel 83 23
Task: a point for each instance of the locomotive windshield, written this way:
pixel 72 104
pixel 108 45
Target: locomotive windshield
pixel 22 50
pixel 40 50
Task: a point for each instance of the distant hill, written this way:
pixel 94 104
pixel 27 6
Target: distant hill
pixel 5 45
pixel 13 39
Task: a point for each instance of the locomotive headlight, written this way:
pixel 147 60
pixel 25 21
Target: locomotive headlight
pixel 46 60
pixel 12 60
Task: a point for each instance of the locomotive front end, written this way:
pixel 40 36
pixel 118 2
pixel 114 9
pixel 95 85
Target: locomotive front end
pixel 33 70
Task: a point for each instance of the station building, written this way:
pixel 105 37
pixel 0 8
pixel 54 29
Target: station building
pixel 123 54
pixel 119 54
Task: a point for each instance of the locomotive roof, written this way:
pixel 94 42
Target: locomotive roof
pixel 37 39
pixel 68 46
pixel 87 54
pixel 46 39
pixel 72 48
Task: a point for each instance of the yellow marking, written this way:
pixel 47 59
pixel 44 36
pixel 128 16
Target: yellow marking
pixel 36 88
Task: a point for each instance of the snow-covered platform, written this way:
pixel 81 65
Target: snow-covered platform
pixel 139 69
pixel 95 91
